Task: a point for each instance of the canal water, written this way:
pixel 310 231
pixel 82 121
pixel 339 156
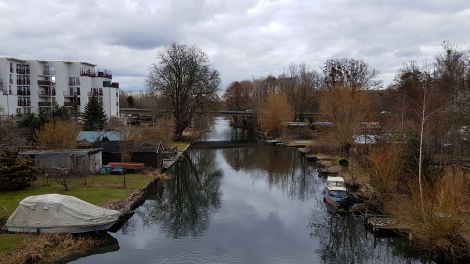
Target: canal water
pixel 250 204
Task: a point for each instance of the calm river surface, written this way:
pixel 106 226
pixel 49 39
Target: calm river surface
pixel 250 204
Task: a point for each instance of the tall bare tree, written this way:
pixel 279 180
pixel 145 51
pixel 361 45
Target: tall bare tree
pixel 349 72
pixel 238 95
pixel 185 79
pixel 345 98
pixel 299 85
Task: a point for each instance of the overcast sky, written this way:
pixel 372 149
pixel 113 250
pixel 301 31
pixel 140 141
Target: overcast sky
pixel 243 38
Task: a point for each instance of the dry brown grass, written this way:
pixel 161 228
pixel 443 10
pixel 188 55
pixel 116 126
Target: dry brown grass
pixel 387 161
pixel 49 248
pixel 446 202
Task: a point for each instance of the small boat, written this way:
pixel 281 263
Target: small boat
pixel 335 193
pixel 56 213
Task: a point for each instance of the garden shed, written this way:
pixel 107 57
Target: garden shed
pixel 82 161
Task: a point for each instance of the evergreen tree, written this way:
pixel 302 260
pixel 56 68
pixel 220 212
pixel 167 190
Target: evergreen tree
pixel 60 112
pixel 15 173
pixel 94 117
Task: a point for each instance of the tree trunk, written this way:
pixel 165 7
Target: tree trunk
pixel 420 161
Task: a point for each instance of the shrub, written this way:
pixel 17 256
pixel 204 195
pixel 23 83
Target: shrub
pixel 15 173
pixel 343 162
pixel 57 135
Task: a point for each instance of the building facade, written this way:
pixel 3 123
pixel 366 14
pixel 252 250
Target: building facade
pixel 35 86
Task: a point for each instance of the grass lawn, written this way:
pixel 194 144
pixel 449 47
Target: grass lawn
pixel 11 241
pixel 179 145
pixel 100 190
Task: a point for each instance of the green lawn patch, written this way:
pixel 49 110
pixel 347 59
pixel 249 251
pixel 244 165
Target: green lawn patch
pixel 179 145
pixel 99 190
pixel 11 241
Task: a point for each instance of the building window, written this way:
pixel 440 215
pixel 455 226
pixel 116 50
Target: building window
pixel 11 78
pixel 18 111
pixel 74 81
pixel 11 67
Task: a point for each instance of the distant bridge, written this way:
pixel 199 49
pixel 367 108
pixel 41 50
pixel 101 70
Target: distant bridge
pixel 150 112
pixel 222 144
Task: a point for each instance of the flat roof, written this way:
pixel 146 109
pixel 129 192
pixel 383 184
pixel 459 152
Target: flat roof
pixel 78 151
pixel 45 61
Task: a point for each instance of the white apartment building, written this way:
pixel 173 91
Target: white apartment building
pixel 35 86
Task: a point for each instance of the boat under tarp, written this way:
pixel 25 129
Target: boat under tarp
pixel 56 213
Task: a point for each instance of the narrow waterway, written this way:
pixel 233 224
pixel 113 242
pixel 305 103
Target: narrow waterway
pixel 253 204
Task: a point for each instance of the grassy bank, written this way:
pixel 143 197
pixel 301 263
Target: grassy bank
pixel 179 145
pixel 100 190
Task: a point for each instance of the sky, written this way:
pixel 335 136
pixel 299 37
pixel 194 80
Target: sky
pixel 244 39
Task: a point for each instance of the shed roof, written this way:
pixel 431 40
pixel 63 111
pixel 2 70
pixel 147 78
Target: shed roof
pixel 72 151
pixel 93 136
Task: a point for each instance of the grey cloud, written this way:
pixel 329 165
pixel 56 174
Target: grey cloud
pixel 244 38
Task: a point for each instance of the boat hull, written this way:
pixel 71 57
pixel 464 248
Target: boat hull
pixel 338 203
pixel 62 229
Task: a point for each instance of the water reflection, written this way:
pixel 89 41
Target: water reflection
pixel 221 131
pixel 183 206
pixel 255 204
pixel 280 167
pixel 343 238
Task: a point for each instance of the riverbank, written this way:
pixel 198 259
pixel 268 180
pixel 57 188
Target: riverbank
pixel 440 229
pixel 103 190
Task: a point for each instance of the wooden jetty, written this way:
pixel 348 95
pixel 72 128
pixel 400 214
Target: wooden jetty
pixel 311 157
pixel 272 141
pixel 386 224
pixel 326 172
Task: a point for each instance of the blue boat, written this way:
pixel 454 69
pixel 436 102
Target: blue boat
pixel 335 193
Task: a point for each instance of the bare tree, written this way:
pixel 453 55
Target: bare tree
pixel 349 72
pixel 185 79
pixel 298 84
pixel 345 98
pixel 238 95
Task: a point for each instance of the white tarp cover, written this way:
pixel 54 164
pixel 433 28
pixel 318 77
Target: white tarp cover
pixel 56 210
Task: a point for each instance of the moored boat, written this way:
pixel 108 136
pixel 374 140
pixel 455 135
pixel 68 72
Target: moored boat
pixel 335 193
pixel 56 213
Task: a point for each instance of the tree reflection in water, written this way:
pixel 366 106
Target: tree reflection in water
pixel 183 206
pixel 344 239
pixel 281 167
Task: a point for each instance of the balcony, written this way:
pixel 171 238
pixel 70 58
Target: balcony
pixel 73 94
pixel 72 104
pixel 46 93
pixel 24 103
pixel 48 72
pixel 110 84
pixel 23 71
pixel 45 83
pixel 45 103
pixel 23 82
pixel 20 92
pixel 99 73
pixel 91 94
